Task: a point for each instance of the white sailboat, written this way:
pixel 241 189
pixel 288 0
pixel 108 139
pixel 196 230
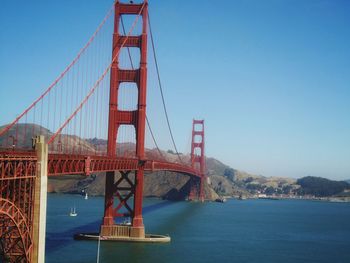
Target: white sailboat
pixel 73 212
pixel 86 196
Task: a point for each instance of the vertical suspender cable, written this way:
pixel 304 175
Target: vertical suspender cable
pixel 148 124
pixel 161 89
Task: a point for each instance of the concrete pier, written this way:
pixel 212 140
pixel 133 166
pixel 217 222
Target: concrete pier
pixel 123 231
pixel 40 201
pixel 148 238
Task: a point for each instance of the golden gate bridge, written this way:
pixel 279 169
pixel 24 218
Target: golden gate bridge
pixel 89 100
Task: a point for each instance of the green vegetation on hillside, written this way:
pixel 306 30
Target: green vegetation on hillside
pixel 320 187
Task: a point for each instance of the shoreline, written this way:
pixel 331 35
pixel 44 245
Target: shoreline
pixel 277 198
pixel 330 199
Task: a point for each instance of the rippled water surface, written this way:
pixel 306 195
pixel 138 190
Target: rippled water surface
pixel 236 231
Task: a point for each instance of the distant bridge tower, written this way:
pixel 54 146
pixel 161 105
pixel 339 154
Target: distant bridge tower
pixel 126 187
pixel 198 160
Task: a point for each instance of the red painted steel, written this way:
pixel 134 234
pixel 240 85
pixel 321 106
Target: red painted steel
pixel 18 168
pixel 86 165
pixel 136 118
pixel 15 233
pixel 67 164
pixel 66 70
pixel 17 177
pixel 198 160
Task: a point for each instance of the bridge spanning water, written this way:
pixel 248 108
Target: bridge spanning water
pixel 72 110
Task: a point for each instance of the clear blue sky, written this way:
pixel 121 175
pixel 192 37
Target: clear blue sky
pixel 271 78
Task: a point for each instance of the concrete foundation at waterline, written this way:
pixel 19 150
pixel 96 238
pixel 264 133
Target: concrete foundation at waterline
pixel 123 233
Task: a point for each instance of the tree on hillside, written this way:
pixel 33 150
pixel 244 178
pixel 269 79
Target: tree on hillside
pixel 286 189
pixel 320 187
pixel 229 173
pixel 270 190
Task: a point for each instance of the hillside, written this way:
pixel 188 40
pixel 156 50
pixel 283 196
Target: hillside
pixel 160 184
pixel 222 180
pixel 321 187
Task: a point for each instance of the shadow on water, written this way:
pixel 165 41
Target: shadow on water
pixel 180 217
pixel 140 252
pixel 157 206
pixel 58 240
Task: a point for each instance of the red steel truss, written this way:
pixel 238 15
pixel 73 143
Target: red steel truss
pixel 86 165
pixel 119 117
pixel 17 176
pixel 18 169
pixel 23 164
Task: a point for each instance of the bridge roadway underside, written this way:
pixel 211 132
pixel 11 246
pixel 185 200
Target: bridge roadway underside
pixel 63 164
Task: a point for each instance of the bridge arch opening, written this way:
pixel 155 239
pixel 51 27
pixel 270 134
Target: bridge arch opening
pixel 126 141
pixel 197 151
pixel 129 58
pixel 15 243
pixel 198 138
pixel 126 23
pixel 127 96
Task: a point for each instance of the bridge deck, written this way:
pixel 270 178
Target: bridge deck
pixel 63 164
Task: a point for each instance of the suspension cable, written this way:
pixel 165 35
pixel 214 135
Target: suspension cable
pixel 161 89
pixel 67 69
pixel 132 66
pixel 154 140
pixel 96 85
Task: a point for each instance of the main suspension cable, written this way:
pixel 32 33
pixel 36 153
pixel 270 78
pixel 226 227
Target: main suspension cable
pixel 161 89
pixel 96 85
pixel 132 67
pixel 67 69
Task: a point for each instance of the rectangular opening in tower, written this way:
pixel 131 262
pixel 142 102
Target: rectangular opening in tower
pixel 129 58
pixel 127 22
pixel 126 141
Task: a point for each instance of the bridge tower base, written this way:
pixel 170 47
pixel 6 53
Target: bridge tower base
pixel 115 231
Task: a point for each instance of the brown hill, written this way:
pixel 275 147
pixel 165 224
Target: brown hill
pixel 159 184
pixel 222 179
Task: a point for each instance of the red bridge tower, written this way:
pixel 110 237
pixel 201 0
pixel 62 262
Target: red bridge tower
pixel 198 160
pixel 118 191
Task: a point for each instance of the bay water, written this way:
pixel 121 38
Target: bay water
pixel 235 231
